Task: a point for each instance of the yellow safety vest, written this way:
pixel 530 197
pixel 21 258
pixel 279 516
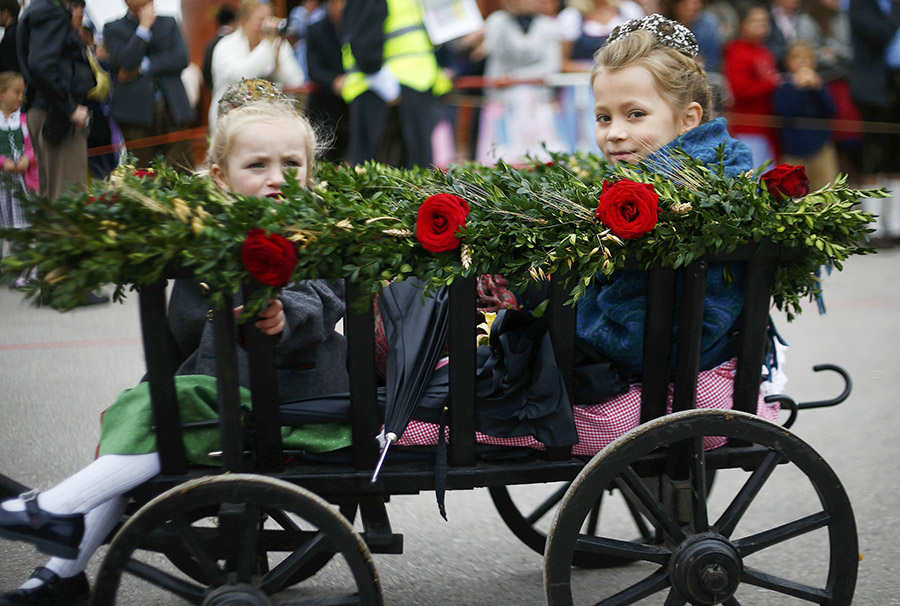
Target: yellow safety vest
pixel 407 52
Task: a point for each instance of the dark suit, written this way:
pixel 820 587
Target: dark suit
pixel 155 102
pixel 57 78
pixel 323 56
pixel 9 61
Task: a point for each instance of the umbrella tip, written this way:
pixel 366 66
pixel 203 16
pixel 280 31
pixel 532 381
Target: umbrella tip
pixel 390 438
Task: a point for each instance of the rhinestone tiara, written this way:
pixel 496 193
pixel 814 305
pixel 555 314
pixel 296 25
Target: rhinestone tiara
pixel 246 91
pixel 669 33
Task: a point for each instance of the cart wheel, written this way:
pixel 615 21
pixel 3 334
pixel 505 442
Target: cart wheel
pixel 712 553
pixel 530 527
pixel 217 519
pixel 185 561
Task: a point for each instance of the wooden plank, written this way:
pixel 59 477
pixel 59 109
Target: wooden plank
pixel 158 351
pixel 462 371
pixel 752 342
pixel 657 342
pixel 690 333
pixel 359 329
pixel 227 387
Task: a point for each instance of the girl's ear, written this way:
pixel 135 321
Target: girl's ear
pixel 691 117
pixel 218 176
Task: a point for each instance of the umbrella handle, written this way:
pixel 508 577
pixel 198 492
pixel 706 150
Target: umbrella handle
pixel 390 438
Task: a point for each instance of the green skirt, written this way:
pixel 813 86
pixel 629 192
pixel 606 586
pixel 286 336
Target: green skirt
pixel 128 424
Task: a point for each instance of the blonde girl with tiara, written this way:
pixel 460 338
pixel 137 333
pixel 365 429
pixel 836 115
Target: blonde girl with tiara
pixel 259 137
pixel 20 171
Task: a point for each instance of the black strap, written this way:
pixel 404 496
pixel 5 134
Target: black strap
pixel 440 465
pixel 46 575
pixel 35 515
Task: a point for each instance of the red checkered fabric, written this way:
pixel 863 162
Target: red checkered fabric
pixel 600 424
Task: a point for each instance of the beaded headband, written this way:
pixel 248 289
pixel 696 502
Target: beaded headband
pixel 669 33
pixel 247 91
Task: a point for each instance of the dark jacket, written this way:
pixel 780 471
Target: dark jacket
pixel 363 28
pixel 311 355
pixel 9 59
pixel 132 102
pixel 792 102
pixel 871 30
pixel 52 58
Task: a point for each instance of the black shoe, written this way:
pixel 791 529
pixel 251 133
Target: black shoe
pixel 71 591
pixel 54 534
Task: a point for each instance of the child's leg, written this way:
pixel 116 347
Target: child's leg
pixel 107 477
pixel 98 522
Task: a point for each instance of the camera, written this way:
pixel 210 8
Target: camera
pixel 283 26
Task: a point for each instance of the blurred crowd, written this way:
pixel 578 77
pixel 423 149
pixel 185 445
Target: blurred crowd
pixel 812 82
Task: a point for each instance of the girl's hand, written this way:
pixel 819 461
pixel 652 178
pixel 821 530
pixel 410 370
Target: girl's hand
pixel 9 166
pixel 271 320
pixel 23 164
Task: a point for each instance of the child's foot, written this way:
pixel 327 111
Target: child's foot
pixel 52 533
pixel 50 589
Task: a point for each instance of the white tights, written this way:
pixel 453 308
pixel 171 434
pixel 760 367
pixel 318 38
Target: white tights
pixel 96 491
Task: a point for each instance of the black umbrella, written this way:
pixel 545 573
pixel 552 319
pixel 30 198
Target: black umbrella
pixel 415 326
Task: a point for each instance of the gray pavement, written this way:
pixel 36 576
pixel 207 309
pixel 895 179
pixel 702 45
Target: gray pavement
pixel 58 371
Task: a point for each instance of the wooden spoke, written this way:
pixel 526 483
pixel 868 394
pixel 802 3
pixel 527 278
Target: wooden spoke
pixel 674 598
pixel 188 591
pixel 249 537
pixel 594 518
pixel 197 548
pixel 765 580
pixel 275 579
pixel 657 581
pixel 698 485
pixel 785 532
pixel 549 503
pixel 623 549
pixel 661 518
pixel 738 507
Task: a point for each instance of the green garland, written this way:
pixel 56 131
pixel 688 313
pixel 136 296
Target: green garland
pixel 360 222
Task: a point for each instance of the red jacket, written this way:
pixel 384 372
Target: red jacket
pixel 753 77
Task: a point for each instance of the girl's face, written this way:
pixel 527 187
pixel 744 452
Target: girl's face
pixel 755 27
pixel 260 154
pixel 11 98
pixel 633 119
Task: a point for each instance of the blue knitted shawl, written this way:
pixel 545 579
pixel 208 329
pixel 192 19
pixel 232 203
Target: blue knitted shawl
pixel 611 313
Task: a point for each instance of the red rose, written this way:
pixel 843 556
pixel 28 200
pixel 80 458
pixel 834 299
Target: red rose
pixel 143 174
pixel 269 258
pixel 439 218
pixel 786 181
pixel 627 208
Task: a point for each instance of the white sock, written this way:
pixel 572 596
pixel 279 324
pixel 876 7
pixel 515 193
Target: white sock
pixel 98 522
pixel 107 477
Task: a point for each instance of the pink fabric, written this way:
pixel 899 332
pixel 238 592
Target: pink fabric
pixel 600 424
pixel 32 182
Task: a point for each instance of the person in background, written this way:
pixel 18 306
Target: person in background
pixel 595 21
pixel 254 50
pixel 58 80
pixel 517 120
pixel 827 28
pixel 705 28
pixel 875 86
pixel 9 16
pixel 148 53
pixel 300 18
pixel 784 21
pixel 752 75
pixel 226 19
pixel 16 156
pixel 326 71
pixel 392 80
pixel 803 94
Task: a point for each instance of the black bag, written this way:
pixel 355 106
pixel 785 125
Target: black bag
pixel 56 128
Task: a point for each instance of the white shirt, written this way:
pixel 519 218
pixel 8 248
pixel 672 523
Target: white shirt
pixel 232 60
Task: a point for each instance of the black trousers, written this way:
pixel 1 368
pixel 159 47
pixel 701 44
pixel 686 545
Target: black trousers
pixel 398 135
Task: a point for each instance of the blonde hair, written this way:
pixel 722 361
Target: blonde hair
pixel 679 79
pixel 248 7
pixel 7 79
pixel 277 112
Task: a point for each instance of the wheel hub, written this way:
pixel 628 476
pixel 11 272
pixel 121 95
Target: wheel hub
pixel 240 594
pixel 706 569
